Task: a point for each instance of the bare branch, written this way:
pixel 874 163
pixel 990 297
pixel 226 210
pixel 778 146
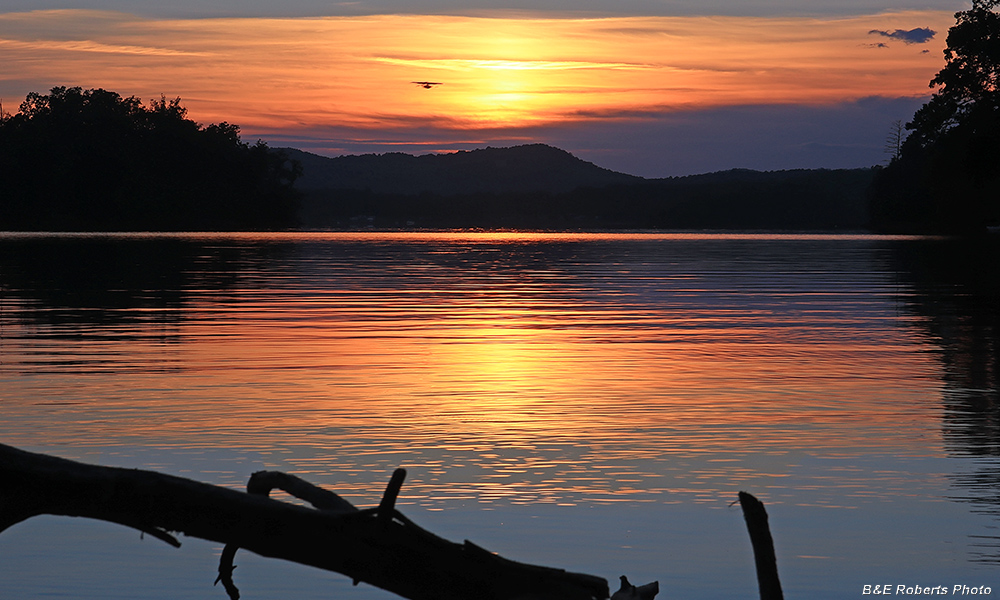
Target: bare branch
pixel 391 553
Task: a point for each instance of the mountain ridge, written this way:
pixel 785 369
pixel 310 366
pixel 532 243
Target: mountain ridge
pixel 543 187
pixel 515 169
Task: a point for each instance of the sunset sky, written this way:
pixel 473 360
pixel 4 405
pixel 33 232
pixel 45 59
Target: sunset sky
pixel 645 87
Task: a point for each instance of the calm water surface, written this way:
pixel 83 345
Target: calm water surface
pixel 586 401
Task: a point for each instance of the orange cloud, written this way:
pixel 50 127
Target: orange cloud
pixel 497 72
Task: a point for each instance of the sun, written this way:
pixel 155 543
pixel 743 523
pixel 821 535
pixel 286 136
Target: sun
pixel 511 92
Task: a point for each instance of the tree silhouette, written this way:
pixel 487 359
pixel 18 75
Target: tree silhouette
pixel 949 167
pixel 79 159
pixel 969 81
pixel 894 141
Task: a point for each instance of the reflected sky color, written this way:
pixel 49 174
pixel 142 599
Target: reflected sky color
pixel 339 85
pixel 587 401
pixel 537 368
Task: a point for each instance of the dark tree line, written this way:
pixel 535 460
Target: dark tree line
pixel 79 159
pixel 946 177
pixel 738 199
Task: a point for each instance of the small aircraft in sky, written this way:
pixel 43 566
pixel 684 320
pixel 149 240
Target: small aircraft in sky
pixel 427 84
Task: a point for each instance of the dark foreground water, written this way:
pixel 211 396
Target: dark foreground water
pixel 589 402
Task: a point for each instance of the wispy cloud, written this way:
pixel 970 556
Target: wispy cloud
pixel 920 35
pixel 92 46
pixel 301 74
pixel 465 64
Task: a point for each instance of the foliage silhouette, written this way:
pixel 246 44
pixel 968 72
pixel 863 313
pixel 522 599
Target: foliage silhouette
pixel 79 159
pixel 945 178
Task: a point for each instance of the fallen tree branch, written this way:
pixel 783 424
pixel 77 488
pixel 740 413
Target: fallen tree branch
pixel 378 546
pixel 262 482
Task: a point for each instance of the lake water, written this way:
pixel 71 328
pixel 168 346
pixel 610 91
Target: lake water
pixel 592 402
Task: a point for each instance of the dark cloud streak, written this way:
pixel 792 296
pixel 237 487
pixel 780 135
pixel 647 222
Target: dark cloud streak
pixel 920 35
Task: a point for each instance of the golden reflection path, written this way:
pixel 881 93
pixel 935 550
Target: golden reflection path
pixel 513 367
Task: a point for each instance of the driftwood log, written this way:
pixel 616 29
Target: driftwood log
pixel 379 545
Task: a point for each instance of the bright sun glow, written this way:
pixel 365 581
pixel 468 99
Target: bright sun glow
pixel 358 72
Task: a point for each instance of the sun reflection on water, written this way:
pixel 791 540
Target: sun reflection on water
pixel 499 367
pixel 588 401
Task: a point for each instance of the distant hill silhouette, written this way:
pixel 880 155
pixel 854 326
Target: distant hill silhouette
pixel 538 186
pixel 528 168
